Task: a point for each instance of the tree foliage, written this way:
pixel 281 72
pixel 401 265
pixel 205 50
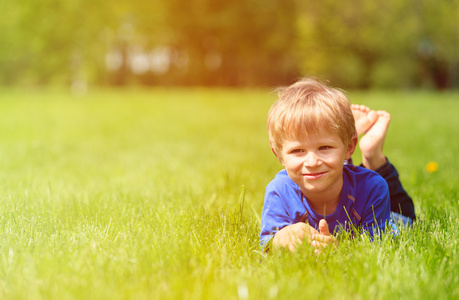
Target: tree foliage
pixel 382 44
pixel 354 44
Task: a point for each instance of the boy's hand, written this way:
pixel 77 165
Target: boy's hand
pixel 323 238
pixel 293 235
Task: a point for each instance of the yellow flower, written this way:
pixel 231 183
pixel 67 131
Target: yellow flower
pixel 432 167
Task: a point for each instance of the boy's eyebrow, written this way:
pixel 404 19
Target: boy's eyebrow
pixel 327 140
pixel 292 145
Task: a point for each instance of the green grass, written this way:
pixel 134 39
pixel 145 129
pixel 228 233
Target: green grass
pixel 157 194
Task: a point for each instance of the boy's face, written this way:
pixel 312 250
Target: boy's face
pixel 315 163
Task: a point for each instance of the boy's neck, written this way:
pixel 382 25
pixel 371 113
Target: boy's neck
pixel 324 203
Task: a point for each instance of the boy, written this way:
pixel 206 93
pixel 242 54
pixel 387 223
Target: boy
pixel 312 131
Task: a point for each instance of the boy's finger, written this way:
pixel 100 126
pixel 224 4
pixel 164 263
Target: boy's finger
pixel 327 239
pixel 292 246
pixel 323 227
pixel 319 245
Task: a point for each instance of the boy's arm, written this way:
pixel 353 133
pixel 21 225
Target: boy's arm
pixel 279 230
pixel 278 227
pixel 377 210
pixel 273 218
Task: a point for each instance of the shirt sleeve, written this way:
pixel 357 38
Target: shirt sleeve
pixel 274 216
pixel 377 211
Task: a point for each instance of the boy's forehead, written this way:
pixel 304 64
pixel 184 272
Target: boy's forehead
pixel 315 131
pixel 320 134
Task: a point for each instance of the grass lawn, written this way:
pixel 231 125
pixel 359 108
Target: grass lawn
pixel 157 194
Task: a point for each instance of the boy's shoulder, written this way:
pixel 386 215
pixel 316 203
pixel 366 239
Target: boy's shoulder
pixel 360 177
pixel 282 182
pixel 361 172
pixel 284 194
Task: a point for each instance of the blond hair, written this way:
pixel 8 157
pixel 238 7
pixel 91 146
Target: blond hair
pixel 307 107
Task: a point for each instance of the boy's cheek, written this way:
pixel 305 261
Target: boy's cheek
pixel 293 161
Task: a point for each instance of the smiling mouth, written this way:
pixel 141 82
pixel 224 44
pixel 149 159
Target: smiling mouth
pixel 312 176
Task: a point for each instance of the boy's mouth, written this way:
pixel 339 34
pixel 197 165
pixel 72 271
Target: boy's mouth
pixel 313 176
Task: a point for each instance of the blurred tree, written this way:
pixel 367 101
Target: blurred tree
pixel 347 42
pixel 52 41
pixel 366 44
pixel 438 42
pixel 242 42
pixel 354 44
pixel 138 28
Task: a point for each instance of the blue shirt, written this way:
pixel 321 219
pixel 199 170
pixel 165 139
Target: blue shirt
pixel 364 203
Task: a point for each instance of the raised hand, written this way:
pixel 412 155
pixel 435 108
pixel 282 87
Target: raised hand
pixel 323 238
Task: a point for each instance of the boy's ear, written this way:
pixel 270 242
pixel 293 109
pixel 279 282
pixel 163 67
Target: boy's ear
pixel 351 146
pixel 277 156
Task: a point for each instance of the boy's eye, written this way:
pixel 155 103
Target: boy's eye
pixel 296 151
pixel 324 147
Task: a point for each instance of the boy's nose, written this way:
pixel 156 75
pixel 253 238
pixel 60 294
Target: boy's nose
pixel 311 160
